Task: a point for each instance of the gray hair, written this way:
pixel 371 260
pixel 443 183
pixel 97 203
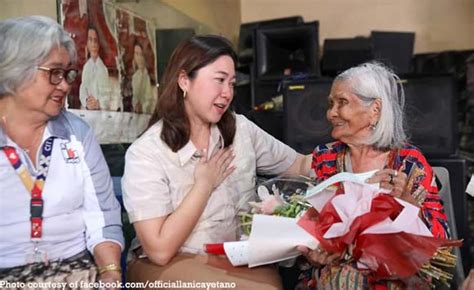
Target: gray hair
pixel 26 42
pixel 371 81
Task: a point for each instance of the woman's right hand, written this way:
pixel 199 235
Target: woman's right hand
pixel 210 173
pixel 318 256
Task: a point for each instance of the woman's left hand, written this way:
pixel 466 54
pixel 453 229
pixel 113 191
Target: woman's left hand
pixel 112 278
pixel 107 254
pixel 393 180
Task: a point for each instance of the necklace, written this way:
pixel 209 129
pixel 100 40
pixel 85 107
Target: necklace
pixel 344 161
pixel 36 135
pixel 36 140
pixel 199 153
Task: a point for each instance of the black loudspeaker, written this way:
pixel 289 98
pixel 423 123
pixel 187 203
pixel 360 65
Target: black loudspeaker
pixel 453 62
pixel 467 132
pixel 263 91
pixel 457 177
pixel 247 34
pixel 395 49
pixel 287 51
pixel 166 42
pixel 470 76
pixel 304 114
pixel 431 115
pixel 344 53
pixel 270 121
pixel 242 102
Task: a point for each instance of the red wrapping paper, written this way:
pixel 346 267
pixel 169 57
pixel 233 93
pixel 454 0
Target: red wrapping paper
pixel 397 255
pixel 215 249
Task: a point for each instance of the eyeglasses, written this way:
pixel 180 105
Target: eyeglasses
pixel 57 75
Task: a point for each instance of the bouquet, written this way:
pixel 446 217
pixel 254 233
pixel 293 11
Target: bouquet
pixel 365 223
pixel 279 196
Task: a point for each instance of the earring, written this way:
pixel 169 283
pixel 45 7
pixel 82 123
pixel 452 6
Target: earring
pixel 184 94
pixel 373 126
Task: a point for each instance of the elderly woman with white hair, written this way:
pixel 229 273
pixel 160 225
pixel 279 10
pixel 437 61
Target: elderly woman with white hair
pixel 366 112
pixel 56 199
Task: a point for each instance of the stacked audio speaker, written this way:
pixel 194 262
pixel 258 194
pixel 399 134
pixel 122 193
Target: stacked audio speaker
pixel 166 41
pixel 281 49
pixel 246 89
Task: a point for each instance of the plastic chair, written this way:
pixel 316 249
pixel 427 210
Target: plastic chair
pixel 445 192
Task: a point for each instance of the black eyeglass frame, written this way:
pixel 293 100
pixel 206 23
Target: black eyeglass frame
pixel 61 74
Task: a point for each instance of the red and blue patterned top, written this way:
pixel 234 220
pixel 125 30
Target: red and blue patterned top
pixel 328 160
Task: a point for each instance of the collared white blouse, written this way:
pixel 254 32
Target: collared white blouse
pixel 156 179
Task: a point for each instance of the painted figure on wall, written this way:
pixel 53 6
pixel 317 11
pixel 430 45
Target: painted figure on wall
pixel 137 63
pixel 95 89
pixel 93 34
pixel 141 84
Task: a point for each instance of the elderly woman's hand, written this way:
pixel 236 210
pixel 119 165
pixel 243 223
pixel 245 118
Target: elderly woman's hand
pixel 395 181
pixel 318 256
pixel 468 284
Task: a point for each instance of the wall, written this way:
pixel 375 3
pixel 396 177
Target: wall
pixel 439 24
pixel 205 16
pixel 223 16
pixel 14 8
pixel 163 16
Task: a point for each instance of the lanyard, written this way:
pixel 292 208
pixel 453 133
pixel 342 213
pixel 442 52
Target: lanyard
pixel 36 186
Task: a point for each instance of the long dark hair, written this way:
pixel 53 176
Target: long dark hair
pixel 190 56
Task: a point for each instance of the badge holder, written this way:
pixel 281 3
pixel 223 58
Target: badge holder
pixel 38 256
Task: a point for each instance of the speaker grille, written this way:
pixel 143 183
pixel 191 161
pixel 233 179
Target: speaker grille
pixel 304 119
pixel 431 115
pixel 287 51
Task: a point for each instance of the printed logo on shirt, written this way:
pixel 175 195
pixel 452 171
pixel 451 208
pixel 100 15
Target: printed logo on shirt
pixel 70 155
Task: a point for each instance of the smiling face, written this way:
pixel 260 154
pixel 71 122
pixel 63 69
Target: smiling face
pixel 41 97
pixel 210 92
pixel 350 118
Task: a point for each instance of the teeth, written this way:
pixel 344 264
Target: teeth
pixel 220 106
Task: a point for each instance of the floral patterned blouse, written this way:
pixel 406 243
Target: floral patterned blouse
pixel 328 160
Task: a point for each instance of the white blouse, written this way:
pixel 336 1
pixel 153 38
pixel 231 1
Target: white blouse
pixel 156 179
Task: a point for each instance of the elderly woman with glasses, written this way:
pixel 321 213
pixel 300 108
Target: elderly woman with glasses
pixel 57 203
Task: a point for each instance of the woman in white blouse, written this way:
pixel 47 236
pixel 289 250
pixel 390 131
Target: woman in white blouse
pixel 184 176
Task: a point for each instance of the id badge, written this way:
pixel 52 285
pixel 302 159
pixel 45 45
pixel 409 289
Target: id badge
pixel 38 256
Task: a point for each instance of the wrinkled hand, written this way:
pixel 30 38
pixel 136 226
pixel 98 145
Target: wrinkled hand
pixel 318 256
pixel 468 284
pixel 393 180
pixel 112 278
pixel 212 172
